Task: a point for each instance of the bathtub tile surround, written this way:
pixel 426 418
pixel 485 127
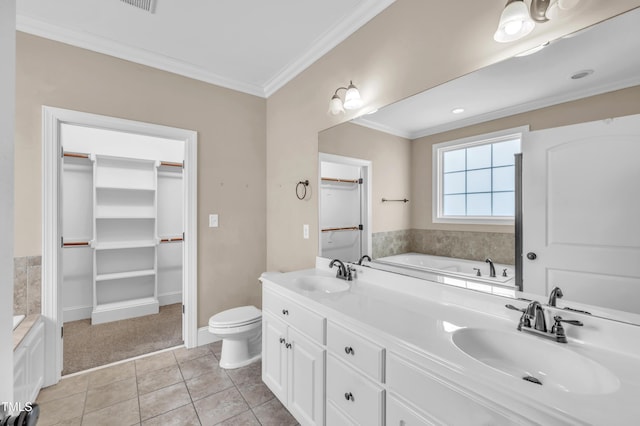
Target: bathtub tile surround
pixel 391 243
pixel 182 386
pixel 459 244
pixel 27 282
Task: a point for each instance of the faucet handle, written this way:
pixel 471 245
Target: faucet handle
pixel 513 308
pixel 558 329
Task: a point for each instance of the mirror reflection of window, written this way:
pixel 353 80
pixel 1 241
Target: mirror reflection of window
pixel 476 178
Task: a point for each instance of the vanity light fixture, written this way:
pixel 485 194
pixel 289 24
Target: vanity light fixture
pixel 352 100
pixel 516 21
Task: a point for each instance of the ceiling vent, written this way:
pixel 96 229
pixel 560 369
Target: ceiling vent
pixel 148 5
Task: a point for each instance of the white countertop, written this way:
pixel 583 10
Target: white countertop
pixel 416 318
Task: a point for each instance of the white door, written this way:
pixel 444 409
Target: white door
pixel 581 212
pixel 306 379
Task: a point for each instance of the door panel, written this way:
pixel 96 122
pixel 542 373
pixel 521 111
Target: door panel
pixel 581 204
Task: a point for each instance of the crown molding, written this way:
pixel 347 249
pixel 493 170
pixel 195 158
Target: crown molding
pixel 330 39
pixel 139 56
pixel 361 121
pixel 366 11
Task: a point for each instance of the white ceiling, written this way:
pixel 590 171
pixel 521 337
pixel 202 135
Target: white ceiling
pixel 611 49
pixel 254 46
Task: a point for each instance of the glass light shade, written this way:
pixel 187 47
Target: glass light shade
pixel 515 22
pixel 352 98
pixel 558 8
pixel 335 105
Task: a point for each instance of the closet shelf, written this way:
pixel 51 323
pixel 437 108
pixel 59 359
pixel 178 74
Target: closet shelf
pixel 125 244
pixel 123 188
pixel 340 180
pixel 129 274
pixel 125 216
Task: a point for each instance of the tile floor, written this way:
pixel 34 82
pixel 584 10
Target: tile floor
pixel 179 387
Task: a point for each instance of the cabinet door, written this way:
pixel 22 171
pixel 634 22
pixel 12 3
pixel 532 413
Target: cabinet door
pixel 35 359
pixel 274 355
pixel 306 379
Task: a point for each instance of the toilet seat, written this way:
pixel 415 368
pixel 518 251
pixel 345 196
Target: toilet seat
pixel 236 317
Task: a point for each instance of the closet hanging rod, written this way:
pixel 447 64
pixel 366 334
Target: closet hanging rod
pixel 77 244
pixel 171 240
pixel 350 228
pixel 75 155
pixel 170 164
pixel 341 180
pixel 404 200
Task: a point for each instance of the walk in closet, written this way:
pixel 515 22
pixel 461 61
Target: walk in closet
pixel 122 224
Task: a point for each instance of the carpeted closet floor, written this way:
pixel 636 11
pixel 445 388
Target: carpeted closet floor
pixel 87 346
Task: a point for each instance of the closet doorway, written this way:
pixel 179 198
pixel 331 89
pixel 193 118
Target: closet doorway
pixel 345 207
pixel 121 280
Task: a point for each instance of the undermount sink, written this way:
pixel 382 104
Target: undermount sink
pixel 321 284
pixel 537 361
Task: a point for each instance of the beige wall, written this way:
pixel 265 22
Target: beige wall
pixel 614 104
pixel 411 46
pixel 390 163
pixel 231 154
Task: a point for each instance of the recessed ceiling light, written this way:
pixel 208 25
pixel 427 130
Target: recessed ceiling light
pixel 457 110
pixel 581 74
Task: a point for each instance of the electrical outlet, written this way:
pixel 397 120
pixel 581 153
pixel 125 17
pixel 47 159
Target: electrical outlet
pixel 305 231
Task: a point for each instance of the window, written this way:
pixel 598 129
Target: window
pixel 475 179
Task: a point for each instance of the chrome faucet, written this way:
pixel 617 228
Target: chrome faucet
pixel 492 269
pixel 555 294
pixel 344 272
pixel 535 313
pixel 366 256
pixel 532 321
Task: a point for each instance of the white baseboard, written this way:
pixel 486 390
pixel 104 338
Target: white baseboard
pixel 75 313
pixel 170 298
pixel 204 337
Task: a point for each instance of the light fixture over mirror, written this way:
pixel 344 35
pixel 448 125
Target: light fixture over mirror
pixel 516 21
pixel 352 100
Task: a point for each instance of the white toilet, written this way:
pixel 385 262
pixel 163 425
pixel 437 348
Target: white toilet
pixel 241 332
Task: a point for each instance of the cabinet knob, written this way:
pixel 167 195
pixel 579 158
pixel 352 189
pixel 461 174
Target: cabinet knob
pixel 287 345
pixel 348 350
pixel 282 340
pixel 285 312
pixel 348 396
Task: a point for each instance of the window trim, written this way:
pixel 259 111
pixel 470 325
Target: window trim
pixel 437 175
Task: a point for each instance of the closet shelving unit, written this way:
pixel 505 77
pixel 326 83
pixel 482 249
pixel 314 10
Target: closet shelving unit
pixel 125 241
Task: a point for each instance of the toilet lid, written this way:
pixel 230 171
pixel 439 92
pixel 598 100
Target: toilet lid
pixel 236 317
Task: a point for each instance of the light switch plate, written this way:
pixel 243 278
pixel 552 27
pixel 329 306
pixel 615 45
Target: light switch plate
pixel 305 231
pixel 213 221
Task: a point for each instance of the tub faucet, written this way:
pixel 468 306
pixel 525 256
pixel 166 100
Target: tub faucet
pixel 492 269
pixel 555 294
pixel 343 273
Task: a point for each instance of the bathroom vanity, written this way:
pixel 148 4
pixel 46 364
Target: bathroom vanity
pixel 28 359
pixel 396 350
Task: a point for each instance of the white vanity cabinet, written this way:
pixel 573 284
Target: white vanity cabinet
pixel 355 372
pixel 28 365
pixel 293 356
pixel 440 401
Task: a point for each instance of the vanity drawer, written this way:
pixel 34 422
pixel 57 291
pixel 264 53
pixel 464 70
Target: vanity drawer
pixel 306 321
pixel 356 350
pixel 354 394
pixel 441 401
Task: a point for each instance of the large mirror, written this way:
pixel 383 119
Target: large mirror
pixel 589 76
